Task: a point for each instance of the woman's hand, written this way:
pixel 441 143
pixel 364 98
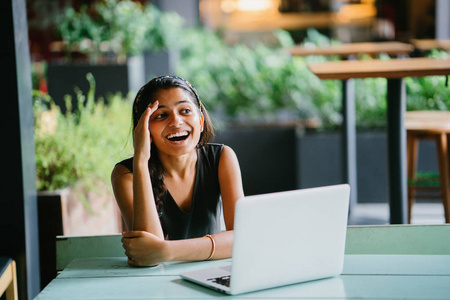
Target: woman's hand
pixel 142 138
pixel 144 248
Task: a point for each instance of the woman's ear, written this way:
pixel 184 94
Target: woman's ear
pixel 202 121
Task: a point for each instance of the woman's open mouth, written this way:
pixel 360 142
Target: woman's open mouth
pixel 178 136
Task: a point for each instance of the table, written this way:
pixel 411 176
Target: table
pixel 394 70
pixel 346 51
pixel 429 44
pixel 364 276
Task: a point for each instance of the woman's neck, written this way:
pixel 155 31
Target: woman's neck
pixel 180 165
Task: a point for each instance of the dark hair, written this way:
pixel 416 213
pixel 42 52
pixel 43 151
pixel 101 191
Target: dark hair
pixel 144 98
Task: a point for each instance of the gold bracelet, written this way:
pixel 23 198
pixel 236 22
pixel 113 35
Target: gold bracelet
pixel 213 246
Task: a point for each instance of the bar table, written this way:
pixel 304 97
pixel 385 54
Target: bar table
pixel 429 44
pixel 394 70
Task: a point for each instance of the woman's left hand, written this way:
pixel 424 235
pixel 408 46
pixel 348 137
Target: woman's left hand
pixel 144 248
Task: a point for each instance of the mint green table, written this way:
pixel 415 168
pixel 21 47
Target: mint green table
pixel 364 276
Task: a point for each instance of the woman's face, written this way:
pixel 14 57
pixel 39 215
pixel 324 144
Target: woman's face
pixel 176 125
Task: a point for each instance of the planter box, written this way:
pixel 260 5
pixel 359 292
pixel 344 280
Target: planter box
pixel 62 212
pixel 110 78
pixel 62 80
pixel 279 159
pixel 268 157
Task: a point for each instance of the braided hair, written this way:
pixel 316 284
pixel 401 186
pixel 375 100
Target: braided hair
pixel 146 97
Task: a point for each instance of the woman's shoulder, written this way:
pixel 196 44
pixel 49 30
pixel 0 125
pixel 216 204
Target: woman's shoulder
pixel 209 155
pixel 127 163
pixel 211 151
pixel 214 147
pixel 123 167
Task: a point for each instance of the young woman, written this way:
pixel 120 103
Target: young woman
pixel 172 191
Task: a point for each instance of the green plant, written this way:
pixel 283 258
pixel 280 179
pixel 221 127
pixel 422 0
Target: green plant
pixel 82 144
pixel 370 101
pixel 431 92
pixel 123 27
pixel 165 32
pixel 82 33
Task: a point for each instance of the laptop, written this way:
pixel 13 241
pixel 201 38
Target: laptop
pixel 283 238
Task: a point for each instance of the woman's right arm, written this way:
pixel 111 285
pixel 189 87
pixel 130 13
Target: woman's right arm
pixel 133 191
pixel 134 196
pixel 122 184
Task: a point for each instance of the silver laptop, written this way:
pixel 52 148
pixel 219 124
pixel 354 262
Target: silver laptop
pixel 283 238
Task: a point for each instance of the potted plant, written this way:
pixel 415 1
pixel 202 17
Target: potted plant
pixel 75 153
pixel 109 39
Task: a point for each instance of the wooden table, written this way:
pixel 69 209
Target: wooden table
pixel 364 276
pixel 429 44
pixel 347 51
pixel 394 70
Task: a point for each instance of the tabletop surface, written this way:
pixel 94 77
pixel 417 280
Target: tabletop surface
pixel 392 68
pixel 428 121
pixel 364 276
pixel 428 44
pixel 344 50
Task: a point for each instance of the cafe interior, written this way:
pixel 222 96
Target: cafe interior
pixel 358 94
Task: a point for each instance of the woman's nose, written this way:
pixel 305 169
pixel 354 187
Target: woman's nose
pixel 176 120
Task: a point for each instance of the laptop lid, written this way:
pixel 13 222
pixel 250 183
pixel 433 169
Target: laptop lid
pixel 289 237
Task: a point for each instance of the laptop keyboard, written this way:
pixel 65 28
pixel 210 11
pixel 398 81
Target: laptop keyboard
pixel 223 280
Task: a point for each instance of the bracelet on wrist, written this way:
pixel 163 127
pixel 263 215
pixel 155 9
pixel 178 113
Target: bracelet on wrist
pixel 213 246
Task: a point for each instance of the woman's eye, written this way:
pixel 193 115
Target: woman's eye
pixel 186 110
pixel 160 116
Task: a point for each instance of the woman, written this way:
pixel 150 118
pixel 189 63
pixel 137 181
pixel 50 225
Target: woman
pixel 169 192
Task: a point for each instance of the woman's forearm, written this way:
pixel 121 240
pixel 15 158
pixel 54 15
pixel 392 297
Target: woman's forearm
pixel 201 248
pixel 145 215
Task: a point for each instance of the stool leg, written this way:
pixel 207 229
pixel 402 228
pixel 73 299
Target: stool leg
pixel 448 156
pixel 11 292
pixel 443 162
pixel 411 156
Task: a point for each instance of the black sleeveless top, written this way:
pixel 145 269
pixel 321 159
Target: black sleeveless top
pixel 205 213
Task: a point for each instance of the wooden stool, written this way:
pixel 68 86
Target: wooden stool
pixel 429 125
pixel 8 278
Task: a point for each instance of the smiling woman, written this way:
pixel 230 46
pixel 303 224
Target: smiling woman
pixel 173 190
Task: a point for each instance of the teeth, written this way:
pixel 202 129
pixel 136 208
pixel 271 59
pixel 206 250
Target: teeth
pixel 177 134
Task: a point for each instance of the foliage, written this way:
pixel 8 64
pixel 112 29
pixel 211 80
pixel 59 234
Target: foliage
pixel 123 27
pixel 84 143
pixel 428 93
pixel 370 102
pixel 431 92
